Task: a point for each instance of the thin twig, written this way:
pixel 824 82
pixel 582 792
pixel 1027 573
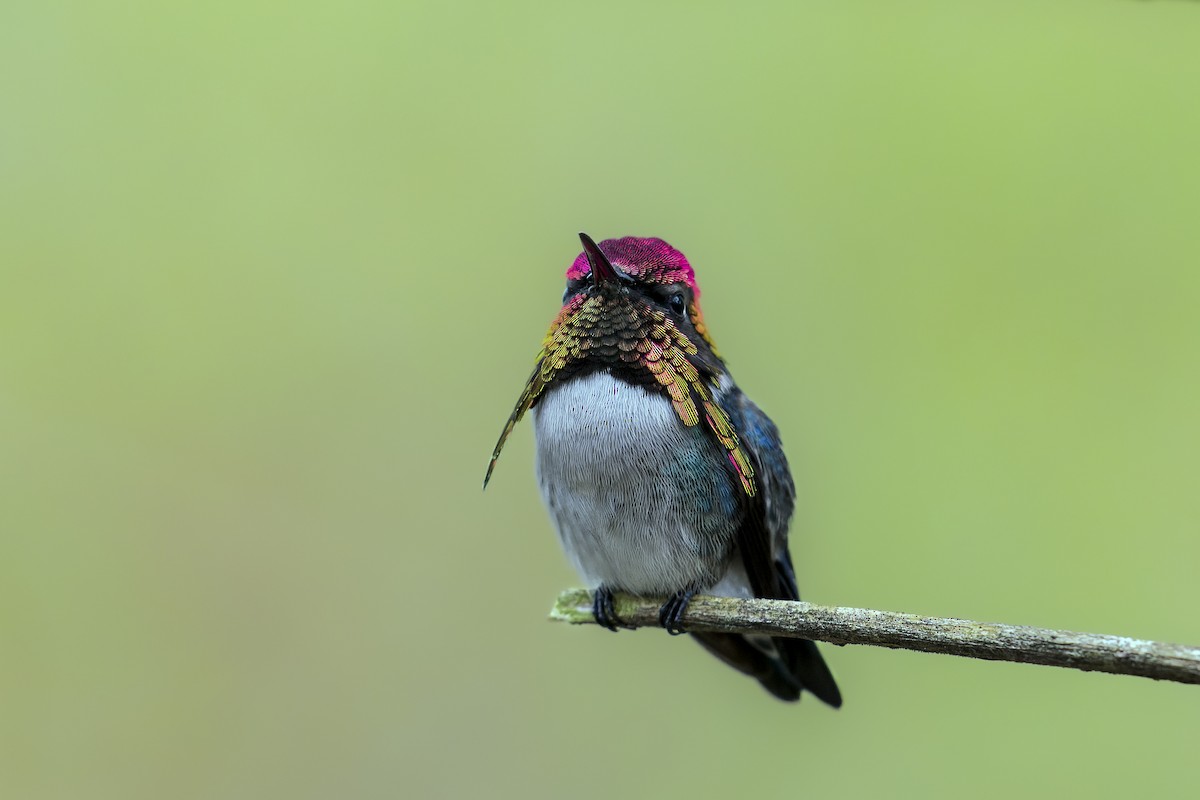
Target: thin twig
pixel 1119 655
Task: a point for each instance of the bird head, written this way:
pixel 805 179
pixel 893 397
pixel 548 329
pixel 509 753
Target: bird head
pixel 631 307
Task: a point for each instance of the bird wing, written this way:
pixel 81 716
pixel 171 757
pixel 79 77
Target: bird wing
pixel 762 537
pixel 762 542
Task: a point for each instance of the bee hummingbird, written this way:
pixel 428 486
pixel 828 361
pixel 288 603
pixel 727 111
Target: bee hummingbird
pixel 661 476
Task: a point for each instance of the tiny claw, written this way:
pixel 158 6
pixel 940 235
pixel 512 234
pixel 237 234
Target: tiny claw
pixel 603 610
pixel 671 611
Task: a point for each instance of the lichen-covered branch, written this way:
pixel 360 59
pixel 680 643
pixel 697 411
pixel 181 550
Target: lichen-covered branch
pixel 994 641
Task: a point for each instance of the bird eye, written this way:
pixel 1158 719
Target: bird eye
pixel 574 287
pixel 676 302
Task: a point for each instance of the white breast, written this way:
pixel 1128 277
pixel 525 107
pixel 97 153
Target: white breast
pixel 639 500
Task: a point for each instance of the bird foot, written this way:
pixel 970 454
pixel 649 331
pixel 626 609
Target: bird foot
pixel 603 610
pixel 671 611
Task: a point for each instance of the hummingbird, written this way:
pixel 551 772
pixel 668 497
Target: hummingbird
pixel 662 478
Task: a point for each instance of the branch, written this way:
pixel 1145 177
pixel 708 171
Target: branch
pixel 993 641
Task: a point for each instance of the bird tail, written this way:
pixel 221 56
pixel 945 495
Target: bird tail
pixel 784 666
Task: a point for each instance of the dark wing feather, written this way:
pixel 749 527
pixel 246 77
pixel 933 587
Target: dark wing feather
pixel 762 542
pixel 762 537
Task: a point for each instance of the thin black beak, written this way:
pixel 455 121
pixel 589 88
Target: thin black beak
pixel 602 269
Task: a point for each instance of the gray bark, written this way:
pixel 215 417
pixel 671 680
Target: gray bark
pixel 994 641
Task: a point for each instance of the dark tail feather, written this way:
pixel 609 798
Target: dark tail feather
pixel 805 663
pixel 737 652
pixel 796 665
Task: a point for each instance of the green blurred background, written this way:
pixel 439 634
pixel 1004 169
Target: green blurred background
pixel 273 276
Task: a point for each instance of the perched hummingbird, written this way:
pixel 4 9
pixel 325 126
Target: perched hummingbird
pixel 661 476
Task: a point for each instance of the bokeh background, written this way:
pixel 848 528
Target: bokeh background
pixel 273 276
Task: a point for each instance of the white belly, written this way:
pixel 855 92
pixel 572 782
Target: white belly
pixel 641 502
